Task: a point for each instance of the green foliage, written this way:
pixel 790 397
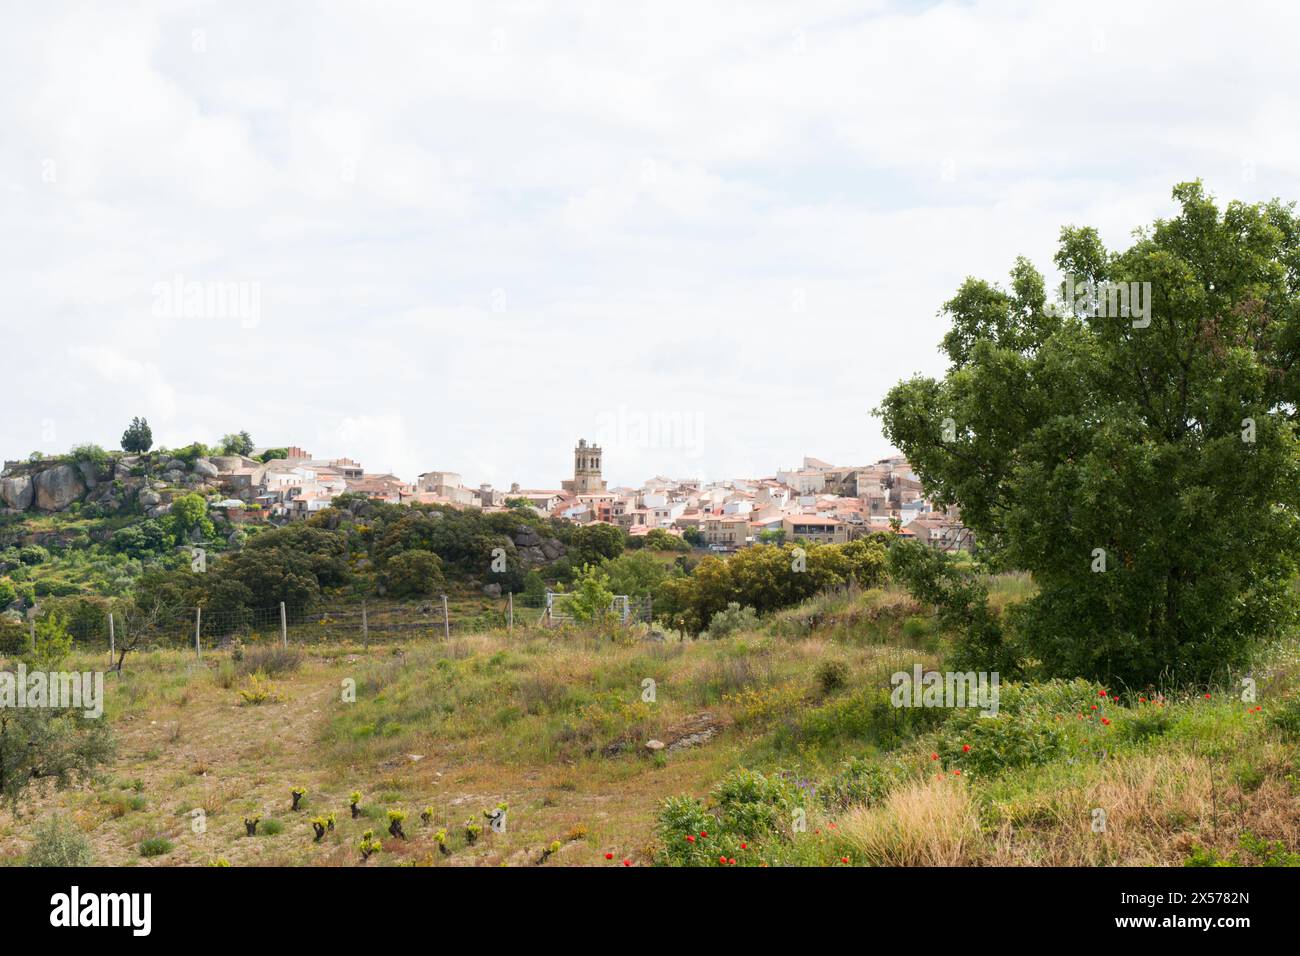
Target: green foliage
pixel 189 512
pixel 90 454
pixel 137 439
pixel 593 543
pixel 962 599
pixel 747 812
pixel 857 782
pixel 1060 431
pixel 58 842
pixel 592 597
pixel 660 540
pixel 8 593
pixel 832 675
pixel 1286 717
pixel 273 454
pixel 765 578
pixel 156 846
pixel 1252 851
pixel 237 443
pixel 53 642
pixel 733 619
pixel 415 574
pixel 635 573
pixel 144 541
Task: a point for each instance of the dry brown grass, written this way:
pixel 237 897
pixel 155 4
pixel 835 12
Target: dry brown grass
pixel 931 823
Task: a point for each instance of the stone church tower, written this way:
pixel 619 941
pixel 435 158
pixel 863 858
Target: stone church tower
pixel 586 470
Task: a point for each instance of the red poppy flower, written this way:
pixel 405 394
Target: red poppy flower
pixel 704 834
pixel 609 856
pixel 1106 721
pixel 689 838
pixel 965 748
pixel 1207 696
pixel 732 861
pixel 844 859
pixel 934 756
pixel 722 860
pixel 1101 693
pixel 627 862
pixel 956 773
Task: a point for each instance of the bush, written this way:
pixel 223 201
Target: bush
pixel 271 661
pixel 857 783
pixel 731 621
pixel 92 454
pixel 155 846
pixel 748 811
pixel 999 743
pixel 58 843
pixel 415 573
pixel 832 675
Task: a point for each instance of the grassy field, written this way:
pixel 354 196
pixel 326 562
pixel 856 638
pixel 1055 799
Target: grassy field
pixel 555 725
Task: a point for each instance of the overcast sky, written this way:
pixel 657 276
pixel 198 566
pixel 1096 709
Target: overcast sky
pixel 709 235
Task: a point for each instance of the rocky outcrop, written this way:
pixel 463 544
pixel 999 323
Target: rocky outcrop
pixel 205 468
pixel 17 492
pixel 532 549
pixel 58 487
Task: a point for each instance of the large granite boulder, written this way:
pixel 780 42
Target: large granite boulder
pixel 58 487
pixel 17 492
pixel 205 468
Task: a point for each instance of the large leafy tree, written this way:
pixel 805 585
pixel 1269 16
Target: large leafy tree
pixel 1144 470
pixel 138 437
pixel 237 443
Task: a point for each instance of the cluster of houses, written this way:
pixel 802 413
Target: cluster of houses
pixel 817 502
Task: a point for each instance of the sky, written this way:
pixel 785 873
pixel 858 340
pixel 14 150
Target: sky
pixel 461 236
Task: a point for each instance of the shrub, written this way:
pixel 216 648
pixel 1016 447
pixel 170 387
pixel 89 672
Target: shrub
pixel 91 454
pixel 155 846
pixel 57 842
pixel 832 675
pixel 747 810
pixel 858 782
pixel 272 827
pixel 732 620
pixel 999 743
pixel 272 660
pixel 415 573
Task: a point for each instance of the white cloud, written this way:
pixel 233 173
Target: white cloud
pixel 482 230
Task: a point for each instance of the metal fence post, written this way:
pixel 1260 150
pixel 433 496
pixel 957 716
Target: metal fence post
pixel 198 630
pixel 284 627
pixel 446 621
pixel 112 649
pixel 510 620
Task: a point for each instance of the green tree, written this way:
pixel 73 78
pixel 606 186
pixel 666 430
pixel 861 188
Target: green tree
pixel 413 574
pixel 137 439
pixel 592 597
pixel 660 540
pixel 189 512
pixel 46 743
pixel 1143 468
pixel 236 443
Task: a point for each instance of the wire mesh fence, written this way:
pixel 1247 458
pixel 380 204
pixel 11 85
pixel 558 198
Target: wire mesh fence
pixel 366 622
